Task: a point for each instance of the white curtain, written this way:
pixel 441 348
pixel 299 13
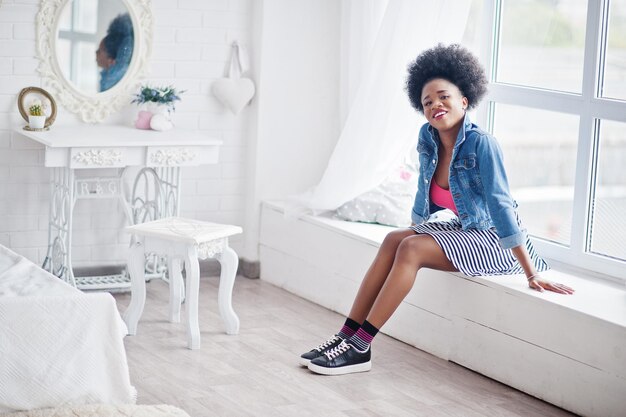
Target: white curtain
pixel 360 21
pixel 381 126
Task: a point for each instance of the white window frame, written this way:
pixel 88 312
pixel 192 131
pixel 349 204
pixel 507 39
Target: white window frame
pixel 75 37
pixel 589 108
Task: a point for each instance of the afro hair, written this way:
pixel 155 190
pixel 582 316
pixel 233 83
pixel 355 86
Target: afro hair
pixel 453 63
pixel 121 25
pixel 119 33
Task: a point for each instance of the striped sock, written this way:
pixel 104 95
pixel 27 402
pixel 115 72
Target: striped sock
pixel 364 336
pixel 349 328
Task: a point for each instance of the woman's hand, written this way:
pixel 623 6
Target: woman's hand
pixel 534 279
pixel 539 284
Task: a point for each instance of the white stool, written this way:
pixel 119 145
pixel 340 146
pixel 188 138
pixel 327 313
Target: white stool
pixel 186 240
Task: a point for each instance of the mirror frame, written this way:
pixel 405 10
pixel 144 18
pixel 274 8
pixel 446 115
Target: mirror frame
pixel 92 108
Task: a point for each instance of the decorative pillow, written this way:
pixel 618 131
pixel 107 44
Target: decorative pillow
pixel 390 203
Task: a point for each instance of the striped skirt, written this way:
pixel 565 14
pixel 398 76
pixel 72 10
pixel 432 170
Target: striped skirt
pixel 477 252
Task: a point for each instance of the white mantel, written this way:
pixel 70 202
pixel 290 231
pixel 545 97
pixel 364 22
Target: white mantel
pixel 114 146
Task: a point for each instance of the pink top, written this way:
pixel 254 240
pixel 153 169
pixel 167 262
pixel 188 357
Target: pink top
pixel 442 197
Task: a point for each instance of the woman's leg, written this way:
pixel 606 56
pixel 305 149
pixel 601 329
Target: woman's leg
pixel 377 274
pixel 385 285
pixel 381 294
pixel 370 287
pixel 413 253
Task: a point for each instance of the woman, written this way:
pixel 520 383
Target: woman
pixel 115 51
pixel 461 169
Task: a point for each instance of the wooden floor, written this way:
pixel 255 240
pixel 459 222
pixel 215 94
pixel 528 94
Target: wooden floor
pixel 256 373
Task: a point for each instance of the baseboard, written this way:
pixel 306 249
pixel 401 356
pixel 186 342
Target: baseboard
pixel 98 270
pixel 248 269
pixel 208 267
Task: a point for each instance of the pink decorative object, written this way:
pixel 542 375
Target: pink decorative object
pixel 405 175
pixel 143 120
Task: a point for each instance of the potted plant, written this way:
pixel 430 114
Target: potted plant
pixel 36 116
pixel 156 101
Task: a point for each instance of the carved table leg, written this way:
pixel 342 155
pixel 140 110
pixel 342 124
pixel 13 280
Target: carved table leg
pixel 229 261
pixel 192 270
pixel 138 285
pixel 176 280
pixel 58 259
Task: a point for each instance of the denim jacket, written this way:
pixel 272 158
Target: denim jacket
pixel 478 183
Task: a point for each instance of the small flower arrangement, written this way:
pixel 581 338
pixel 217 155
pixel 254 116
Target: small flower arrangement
pixel 36 107
pixel 36 114
pixel 35 110
pixel 158 95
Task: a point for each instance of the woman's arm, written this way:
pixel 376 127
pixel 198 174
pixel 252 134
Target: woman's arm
pixel 420 195
pixel 498 198
pixel 502 208
pixel 534 279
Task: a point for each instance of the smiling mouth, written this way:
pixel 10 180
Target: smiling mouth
pixel 439 114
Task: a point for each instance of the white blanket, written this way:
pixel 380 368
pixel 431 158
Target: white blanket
pixel 19 276
pixel 58 346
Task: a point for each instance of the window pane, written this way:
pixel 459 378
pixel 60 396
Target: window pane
pixel 608 227
pixel 87 77
pixel 474 35
pixel 87 16
pixel 542 44
pixel 540 157
pixel 615 61
pixel 64 53
pixel 65 18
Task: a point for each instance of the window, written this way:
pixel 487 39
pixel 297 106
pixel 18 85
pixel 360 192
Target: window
pixel 609 196
pixel 614 69
pixel 557 104
pixel 77 36
pixel 540 158
pixel 542 44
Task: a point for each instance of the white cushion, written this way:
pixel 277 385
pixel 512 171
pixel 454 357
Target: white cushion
pixel 390 203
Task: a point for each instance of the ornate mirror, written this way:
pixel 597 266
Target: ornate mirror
pixel 92 53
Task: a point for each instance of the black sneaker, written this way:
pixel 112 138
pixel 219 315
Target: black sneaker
pixel 318 351
pixel 344 359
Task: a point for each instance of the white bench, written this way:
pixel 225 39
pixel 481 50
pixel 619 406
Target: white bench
pixel 567 350
pixel 186 240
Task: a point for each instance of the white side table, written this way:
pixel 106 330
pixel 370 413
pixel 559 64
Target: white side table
pixel 73 152
pixel 186 240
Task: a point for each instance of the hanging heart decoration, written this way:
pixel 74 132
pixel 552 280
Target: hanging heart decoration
pixel 235 91
pixel 234 94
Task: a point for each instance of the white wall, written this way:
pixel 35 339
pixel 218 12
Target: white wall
pixel 278 146
pixel 296 123
pixel 191 47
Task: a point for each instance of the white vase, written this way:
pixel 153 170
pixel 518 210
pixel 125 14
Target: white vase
pixel 36 122
pixel 160 116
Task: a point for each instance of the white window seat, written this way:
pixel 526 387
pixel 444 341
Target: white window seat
pixel 567 350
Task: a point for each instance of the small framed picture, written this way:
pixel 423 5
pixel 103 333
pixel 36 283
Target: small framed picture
pixel 35 99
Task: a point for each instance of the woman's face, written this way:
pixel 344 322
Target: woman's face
pixel 102 57
pixel 444 104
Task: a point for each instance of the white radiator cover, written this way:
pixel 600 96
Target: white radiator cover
pixel 567 350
